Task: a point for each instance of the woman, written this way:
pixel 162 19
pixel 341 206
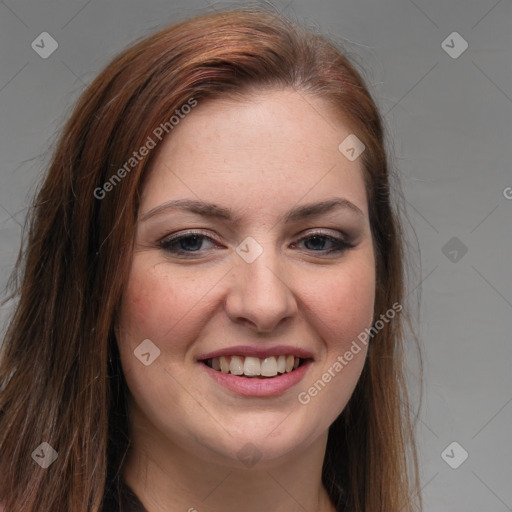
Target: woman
pixel 210 300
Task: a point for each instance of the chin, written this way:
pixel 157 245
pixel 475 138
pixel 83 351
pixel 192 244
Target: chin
pixel 253 447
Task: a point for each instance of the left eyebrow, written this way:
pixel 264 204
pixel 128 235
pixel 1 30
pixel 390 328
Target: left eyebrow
pixel 206 209
pixel 312 209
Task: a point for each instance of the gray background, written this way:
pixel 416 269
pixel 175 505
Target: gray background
pixel 449 121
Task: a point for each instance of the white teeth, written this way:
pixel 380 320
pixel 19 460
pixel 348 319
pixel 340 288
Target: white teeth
pixel 236 365
pixel 253 366
pixel 269 367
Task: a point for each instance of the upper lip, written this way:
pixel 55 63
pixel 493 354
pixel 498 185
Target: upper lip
pixel 260 352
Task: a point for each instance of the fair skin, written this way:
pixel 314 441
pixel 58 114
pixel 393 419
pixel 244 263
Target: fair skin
pixel 259 158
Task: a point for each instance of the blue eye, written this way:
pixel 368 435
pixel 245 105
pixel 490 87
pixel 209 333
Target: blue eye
pixel 184 244
pixel 317 242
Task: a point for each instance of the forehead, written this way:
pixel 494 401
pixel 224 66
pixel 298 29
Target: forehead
pixel 273 146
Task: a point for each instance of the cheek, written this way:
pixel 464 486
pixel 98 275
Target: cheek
pixel 156 306
pixel 343 302
pixel 151 306
pixel 167 307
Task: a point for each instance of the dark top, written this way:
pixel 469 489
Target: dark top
pixel 127 502
pixel 122 499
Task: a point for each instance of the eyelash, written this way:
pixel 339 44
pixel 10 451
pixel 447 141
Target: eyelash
pixel 167 243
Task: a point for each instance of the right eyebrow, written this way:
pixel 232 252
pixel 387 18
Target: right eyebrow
pixel 198 207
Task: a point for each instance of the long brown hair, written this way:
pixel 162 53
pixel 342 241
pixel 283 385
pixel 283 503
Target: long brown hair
pixel 61 381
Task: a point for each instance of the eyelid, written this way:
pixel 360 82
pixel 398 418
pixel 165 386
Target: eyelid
pixel 188 232
pixel 335 233
pixel 342 237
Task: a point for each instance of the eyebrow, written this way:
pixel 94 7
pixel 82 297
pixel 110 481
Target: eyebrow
pixel 206 209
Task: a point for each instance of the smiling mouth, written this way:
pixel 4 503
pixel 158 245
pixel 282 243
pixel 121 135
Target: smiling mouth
pixel 254 367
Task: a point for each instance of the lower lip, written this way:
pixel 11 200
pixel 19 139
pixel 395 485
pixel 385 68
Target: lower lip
pixel 251 386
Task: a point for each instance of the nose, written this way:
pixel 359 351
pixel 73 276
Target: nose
pixel 260 293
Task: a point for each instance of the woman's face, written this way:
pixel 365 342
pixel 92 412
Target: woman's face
pixel 267 255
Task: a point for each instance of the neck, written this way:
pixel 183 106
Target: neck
pixel 165 477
